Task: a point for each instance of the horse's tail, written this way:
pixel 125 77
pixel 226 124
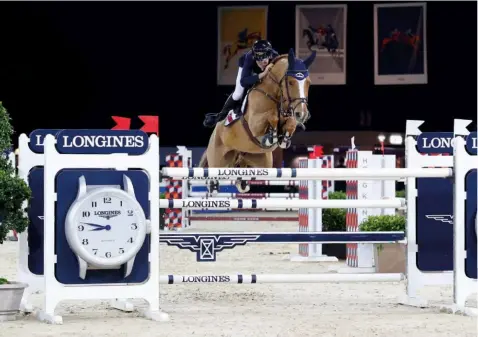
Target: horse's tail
pixel 203 161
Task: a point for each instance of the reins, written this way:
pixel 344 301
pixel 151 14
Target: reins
pixel 280 102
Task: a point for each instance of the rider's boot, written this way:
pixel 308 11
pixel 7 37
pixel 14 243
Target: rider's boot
pixel 212 119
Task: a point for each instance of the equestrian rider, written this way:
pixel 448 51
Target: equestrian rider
pixel 253 67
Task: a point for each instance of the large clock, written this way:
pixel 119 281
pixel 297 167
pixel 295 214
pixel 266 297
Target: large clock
pixel 106 227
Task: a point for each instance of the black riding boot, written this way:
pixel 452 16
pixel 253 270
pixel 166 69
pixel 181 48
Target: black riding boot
pixel 212 119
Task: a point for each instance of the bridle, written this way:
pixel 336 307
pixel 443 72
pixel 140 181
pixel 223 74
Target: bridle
pixel 283 111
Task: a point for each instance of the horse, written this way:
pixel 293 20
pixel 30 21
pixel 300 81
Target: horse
pixel 309 33
pixel 272 110
pixel 229 52
pixel 321 38
pixel 407 38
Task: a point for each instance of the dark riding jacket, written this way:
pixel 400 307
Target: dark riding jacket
pixel 250 69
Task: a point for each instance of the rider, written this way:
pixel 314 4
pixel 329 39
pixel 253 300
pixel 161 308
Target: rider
pixel 253 67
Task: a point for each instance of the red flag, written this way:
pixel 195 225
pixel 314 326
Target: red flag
pixel 122 123
pixel 382 147
pixel 318 151
pixel 151 124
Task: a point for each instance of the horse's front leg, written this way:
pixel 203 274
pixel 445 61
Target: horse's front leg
pixel 271 137
pixel 287 131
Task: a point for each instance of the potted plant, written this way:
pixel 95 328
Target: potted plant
pixel 14 192
pixel 389 258
pixel 333 220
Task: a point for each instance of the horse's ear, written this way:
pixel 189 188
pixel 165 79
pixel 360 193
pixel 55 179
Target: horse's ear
pixel 291 57
pixel 308 61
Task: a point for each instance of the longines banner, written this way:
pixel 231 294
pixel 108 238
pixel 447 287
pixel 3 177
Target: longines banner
pixel 323 28
pixel 238 28
pixel 400 43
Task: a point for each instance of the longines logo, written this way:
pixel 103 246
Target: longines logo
pixel 206 279
pixel 103 141
pixel 206 204
pixel 206 246
pixel 107 214
pixel 441 217
pixel 242 172
pixel 437 142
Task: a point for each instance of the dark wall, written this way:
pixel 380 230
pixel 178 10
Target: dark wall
pixel 72 65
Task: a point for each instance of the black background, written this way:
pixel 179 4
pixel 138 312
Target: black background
pixel 73 65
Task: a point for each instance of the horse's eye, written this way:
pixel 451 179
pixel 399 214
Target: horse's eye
pixel 291 82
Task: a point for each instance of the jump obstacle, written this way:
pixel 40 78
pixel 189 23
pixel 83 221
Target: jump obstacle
pixel 309 220
pixel 50 266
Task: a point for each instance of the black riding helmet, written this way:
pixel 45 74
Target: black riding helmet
pixel 261 49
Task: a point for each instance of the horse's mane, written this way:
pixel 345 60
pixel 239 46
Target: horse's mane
pixel 278 58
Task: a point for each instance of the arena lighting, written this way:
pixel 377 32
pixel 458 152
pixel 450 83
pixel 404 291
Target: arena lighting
pixel 396 139
pixel 381 138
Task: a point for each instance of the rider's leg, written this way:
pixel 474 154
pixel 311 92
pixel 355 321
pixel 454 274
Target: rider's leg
pixel 232 103
pixel 234 99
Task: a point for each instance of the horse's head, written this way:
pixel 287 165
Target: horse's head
pixel 295 86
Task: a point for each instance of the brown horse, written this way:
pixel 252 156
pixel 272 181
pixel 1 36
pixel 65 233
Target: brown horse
pixel 272 110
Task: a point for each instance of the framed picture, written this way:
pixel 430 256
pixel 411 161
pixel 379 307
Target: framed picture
pixel 323 28
pixel 238 29
pixel 400 44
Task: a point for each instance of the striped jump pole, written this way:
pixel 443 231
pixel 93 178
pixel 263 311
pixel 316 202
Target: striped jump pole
pixel 245 195
pixel 206 204
pixel 279 278
pixel 304 173
pixel 252 183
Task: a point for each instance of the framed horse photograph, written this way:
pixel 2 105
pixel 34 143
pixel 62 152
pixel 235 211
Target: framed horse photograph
pixel 323 28
pixel 238 28
pixel 400 43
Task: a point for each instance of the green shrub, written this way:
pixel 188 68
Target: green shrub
pixel 384 223
pixel 333 219
pixel 400 194
pixel 13 190
pixel 337 195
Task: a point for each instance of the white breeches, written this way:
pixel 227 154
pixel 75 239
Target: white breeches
pixel 239 89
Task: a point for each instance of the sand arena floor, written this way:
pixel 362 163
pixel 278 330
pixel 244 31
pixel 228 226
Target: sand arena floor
pixel 259 310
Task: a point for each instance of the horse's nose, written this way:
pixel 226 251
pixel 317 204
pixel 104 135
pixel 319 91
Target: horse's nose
pixel 301 115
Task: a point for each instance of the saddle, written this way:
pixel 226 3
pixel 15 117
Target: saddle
pixel 238 112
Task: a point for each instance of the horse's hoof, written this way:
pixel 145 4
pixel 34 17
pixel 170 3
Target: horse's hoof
pixel 285 144
pixel 243 186
pixel 266 141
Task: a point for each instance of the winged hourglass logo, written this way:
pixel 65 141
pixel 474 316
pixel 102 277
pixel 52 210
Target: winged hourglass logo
pixel 441 217
pixel 206 246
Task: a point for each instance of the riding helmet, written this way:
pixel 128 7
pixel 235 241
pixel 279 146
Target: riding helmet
pixel 261 49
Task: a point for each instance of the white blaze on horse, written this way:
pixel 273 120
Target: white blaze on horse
pixel 272 110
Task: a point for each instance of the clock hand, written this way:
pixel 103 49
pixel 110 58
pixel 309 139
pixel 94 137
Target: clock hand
pixel 93 224
pixel 98 227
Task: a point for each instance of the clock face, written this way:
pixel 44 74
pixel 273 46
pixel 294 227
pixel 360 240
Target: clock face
pixel 107 226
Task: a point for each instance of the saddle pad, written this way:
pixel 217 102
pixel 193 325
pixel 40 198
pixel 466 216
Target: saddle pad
pixel 232 116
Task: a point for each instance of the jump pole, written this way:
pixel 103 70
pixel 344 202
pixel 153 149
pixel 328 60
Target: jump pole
pixel 206 204
pixel 279 278
pixel 304 173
